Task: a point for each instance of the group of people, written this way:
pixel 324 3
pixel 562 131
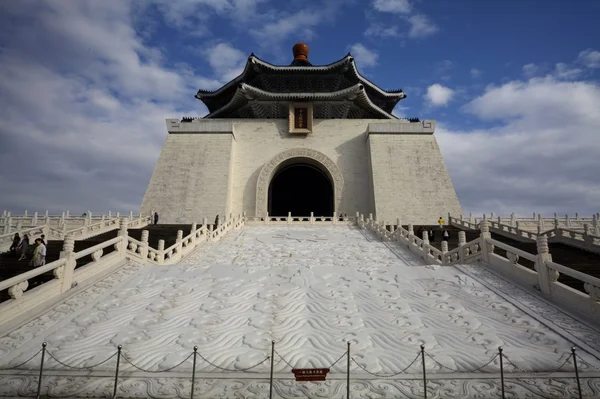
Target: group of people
pixel 21 246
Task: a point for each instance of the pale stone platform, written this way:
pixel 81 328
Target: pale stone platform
pixel 311 289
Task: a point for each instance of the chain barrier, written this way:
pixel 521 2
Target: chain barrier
pixel 537 373
pixel 456 370
pixel 586 363
pixel 20 364
pixel 285 361
pixel 388 375
pixel 156 371
pixel 226 369
pixel 80 368
pixel 340 358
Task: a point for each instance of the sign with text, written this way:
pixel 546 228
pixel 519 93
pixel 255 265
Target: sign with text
pixel 310 374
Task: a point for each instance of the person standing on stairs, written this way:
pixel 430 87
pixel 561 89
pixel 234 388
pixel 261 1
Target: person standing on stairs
pixel 15 244
pixel 441 222
pixel 155 218
pixel 24 246
pixel 39 255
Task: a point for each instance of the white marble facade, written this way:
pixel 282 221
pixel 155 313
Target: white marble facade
pixel 390 168
pixel 310 289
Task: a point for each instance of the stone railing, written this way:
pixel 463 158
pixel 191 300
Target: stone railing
pixel 13 224
pixel 544 277
pixel 585 240
pixel 294 220
pixel 537 222
pixel 125 248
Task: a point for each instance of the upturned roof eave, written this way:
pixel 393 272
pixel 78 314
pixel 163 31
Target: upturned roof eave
pixel 244 89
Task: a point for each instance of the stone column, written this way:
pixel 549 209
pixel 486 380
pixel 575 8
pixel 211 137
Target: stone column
pixel 486 249
pixel 65 273
pixel 123 226
pixel 546 276
pixel 179 236
pixel 462 241
pixel 160 258
pixel 444 251
pixel 145 239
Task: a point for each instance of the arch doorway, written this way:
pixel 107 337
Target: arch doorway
pixel 301 188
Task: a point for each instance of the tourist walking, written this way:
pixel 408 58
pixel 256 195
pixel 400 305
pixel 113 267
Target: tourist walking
pixel 39 254
pixel 15 244
pixel 155 218
pixel 44 241
pixel 24 246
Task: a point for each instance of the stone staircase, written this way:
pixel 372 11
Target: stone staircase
pixel 10 266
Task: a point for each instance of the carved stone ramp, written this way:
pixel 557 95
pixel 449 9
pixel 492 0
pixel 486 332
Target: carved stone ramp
pixel 310 289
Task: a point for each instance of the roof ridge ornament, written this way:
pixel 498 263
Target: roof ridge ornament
pixel 300 51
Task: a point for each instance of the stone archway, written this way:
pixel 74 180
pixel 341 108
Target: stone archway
pixel 288 156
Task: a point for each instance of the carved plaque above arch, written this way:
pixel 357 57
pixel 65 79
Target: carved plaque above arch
pixel 267 172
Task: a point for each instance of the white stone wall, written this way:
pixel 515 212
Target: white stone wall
pixel 210 167
pixel 410 179
pixel 191 178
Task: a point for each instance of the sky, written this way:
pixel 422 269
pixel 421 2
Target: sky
pixel 86 86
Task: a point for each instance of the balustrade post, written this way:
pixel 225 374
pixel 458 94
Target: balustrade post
pixel 266 217
pixel 34 221
pixel 425 246
pixel 444 251
pixel 556 222
pixel 540 223
pixel 486 248
pixel 179 236
pixel 289 218
pixel 517 227
pixel 411 235
pixel 595 226
pixel 499 222
pixel 244 216
pixel 131 216
pixel 65 273
pixel 312 218
pixel 25 214
pixel 193 232
pixel 205 222
pixel 7 225
pixel 110 214
pixel 19 225
pixel 335 217
pixel 586 234
pixel 567 221
pixel 534 215
pixel 546 276
pixel 491 215
pixel 145 238
pixel 513 219
pixel 160 258
pixel 118 215
pixel 471 219
pixel 462 241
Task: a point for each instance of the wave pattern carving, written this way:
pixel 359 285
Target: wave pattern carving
pixel 310 289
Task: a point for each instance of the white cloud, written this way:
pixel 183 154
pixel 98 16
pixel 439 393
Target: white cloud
pixel 392 6
pixel 475 73
pixel 226 61
pixel 438 95
pixel 589 58
pixel 542 157
pixel 364 56
pixel 378 30
pixel 530 70
pixel 83 101
pixel 421 26
pixel 565 72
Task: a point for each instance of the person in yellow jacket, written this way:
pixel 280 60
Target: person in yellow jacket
pixel 441 222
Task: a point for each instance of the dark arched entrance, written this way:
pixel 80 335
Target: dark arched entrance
pixel 300 188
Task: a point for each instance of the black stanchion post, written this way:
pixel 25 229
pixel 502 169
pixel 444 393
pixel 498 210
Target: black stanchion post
pixel 576 371
pixel 424 373
pixel 194 371
pixel 117 372
pixel 501 371
pixel 39 391
pixel 348 372
pixel 272 364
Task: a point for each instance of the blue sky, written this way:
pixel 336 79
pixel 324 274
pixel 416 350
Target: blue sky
pixel 85 87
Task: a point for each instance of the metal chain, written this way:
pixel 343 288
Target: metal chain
pixel 80 368
pixel 156 371
pixel 536 373
pixel 586 363
pixel 20 364
pixel 285 361
pixel 340 358
pixel 388 375
pixel 225 369
pixel 463 371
